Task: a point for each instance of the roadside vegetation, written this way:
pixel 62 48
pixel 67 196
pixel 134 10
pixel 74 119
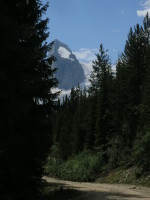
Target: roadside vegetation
pixel 82 167
pixel 132 176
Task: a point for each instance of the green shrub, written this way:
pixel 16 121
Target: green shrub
pixel 54 162
pixel 118 153
pixel 52 166
pixel 82 167
pixel 142 151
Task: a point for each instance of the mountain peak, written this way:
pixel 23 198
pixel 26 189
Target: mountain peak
pixel 58 47
pixel 70 72
pixel 58 44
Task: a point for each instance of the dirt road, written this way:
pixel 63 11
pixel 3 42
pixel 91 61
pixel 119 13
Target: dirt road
pixel 96 191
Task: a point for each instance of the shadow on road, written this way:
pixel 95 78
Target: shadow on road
pixel 64 192
pixel 91 195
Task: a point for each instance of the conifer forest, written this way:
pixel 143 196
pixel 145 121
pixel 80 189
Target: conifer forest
pixel 107 125
pixel 82 136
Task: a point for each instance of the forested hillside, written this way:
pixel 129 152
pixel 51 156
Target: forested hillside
pixel 108 125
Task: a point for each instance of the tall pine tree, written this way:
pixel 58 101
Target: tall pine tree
pixel 101 84
pixel 26 80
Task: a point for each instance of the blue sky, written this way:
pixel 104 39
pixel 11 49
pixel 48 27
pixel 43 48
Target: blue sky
pixel 84 24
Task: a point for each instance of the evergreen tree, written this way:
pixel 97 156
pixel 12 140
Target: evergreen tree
pixel 89 122
pixel 78 123
pixel 121 100
pixel 145 103
pixel 101 83
pixel 65 130
pixel 132 69
pixel 134 64
pixel 141 145
pixel 26 98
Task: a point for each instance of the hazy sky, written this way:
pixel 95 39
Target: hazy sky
pixel 84 24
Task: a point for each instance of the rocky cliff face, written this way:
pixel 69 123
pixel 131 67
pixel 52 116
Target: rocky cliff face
pixel 69 71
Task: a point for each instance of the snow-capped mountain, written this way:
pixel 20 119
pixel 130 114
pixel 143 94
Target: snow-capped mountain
pixel 70 72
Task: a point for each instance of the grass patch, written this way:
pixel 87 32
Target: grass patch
pixel 132 175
